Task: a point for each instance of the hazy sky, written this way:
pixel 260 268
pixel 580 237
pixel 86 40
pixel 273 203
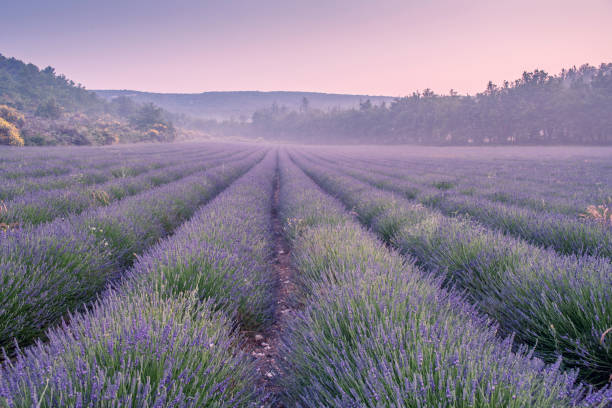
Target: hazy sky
pixel 389 47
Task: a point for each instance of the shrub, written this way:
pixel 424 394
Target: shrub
pixel 9 134
pixel 11 115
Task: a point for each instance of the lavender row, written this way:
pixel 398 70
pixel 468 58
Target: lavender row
pixel 34 160
pixel 100 171
pixel 57 267
pixel 564 187
pixel 224 251
pixel 561 305
pixel 163 337
pixel 566 234
pixel 44 206
pixel 137 350
pixel 375 331
pixel 561 186
pixel 45 165
pixel 28 188
pixel 69 161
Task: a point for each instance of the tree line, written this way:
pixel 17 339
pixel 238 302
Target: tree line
pixel 573 107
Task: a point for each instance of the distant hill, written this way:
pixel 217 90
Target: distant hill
pixel 226 105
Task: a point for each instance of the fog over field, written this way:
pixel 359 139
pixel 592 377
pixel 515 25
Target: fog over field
pixel 306 204
pixel 479 152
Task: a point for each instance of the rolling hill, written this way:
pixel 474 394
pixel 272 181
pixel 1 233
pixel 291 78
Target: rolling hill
pixel 226 105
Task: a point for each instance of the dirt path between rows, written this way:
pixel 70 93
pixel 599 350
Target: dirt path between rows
pixel 264 346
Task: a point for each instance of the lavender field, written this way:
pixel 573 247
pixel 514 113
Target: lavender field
pixel 258 275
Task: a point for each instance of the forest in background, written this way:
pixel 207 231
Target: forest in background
pixel 39 107
pixel 573 107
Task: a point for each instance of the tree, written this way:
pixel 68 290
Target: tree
pixel 573 107
pixel 124 106
pixel 366 105
pixel 147 116
pixel 49 109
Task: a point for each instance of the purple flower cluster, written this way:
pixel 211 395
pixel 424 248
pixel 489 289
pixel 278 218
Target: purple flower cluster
pixel 375 331
pixel 43 206
pixel 222 252
pixel 141 350
pixel 163 335
pixel 565 233
pixel 561 305
pixel 553 183
pixel 95 168
pixel 55 268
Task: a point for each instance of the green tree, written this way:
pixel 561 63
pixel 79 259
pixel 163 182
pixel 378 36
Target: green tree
pixel 49 109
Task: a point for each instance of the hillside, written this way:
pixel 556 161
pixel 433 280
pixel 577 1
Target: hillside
pixel 40 107
pixel 241 104
pixel 24 86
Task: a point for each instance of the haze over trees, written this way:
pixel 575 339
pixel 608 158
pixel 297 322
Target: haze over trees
pixel 223 106
pixel 573 107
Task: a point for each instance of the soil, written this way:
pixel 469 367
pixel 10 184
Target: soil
pixel 265 345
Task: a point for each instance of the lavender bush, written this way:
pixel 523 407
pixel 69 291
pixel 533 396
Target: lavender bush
pixel 375 331
pixel 564 233
pixel 81 254
pixel 142 350
pixel 223 252
pixel 558 304
pixel 162 337
pixel 44 206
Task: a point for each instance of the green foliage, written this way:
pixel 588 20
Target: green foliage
pixel 570 108
pixel 49 109
pixel 24 86
pixel 150 119
pixel 59 112
pixel 443 185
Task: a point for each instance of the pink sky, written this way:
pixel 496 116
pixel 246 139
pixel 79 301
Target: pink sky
pixel 388 47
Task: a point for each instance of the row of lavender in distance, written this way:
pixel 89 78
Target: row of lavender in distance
pixel 375 331
pixel 100 170
pixel 561 305
pixel 163 335
pixel 39 162
pixel 566 234
pixel 565 186
pixel 43 206
pixel 49 165
pixel 49 270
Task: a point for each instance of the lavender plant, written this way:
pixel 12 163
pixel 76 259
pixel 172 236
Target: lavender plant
pixel 223 252
pixel 163 335
pixel 43 206
pixel 564 233
pixel 134 351
pixel 375 331
pixel 78 256
pixel 560 305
